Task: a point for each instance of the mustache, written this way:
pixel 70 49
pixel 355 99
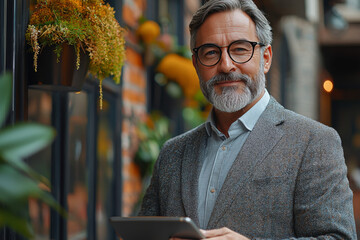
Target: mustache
pixel 233 77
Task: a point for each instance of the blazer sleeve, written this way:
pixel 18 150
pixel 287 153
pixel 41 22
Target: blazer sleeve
pixel 151 202
pixel 323 201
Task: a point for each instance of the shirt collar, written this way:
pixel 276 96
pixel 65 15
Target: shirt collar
pixel 248 120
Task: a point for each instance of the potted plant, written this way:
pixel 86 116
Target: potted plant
pixel 19 182
pixel 88 26
pixel 152 133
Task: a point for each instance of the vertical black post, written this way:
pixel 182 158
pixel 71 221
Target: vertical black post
pixel 59 164
pixel 117 171
pixel 91 161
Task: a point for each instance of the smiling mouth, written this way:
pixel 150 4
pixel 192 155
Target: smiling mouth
pixel 227 83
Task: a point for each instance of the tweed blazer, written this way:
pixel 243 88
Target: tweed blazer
pixel 289 180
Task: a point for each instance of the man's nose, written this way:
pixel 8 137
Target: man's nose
pixel 226 64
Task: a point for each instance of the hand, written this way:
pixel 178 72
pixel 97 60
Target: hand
pixel 219 234
pixel 223 234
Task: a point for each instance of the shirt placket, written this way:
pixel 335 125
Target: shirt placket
pixel 213 187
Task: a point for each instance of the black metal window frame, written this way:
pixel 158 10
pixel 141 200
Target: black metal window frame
pixel 14 15
pixel 13 22
pixel 60 159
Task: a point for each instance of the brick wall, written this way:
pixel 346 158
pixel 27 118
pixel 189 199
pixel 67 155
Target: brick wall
pixel 134 105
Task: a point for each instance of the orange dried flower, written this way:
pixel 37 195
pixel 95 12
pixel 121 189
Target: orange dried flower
pixel 180 70
pixel 148 31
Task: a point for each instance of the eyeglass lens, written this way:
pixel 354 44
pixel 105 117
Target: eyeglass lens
pixel 239 51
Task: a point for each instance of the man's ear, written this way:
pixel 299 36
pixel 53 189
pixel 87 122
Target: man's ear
pixel 267 58
pixel 194 60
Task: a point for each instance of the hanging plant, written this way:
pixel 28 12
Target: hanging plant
pixel 87 25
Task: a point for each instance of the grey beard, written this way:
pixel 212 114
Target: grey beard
pixel 230 100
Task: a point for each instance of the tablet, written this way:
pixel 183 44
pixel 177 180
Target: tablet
pixel 155 228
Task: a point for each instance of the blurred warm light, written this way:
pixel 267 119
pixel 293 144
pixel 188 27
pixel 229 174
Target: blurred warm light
pixel 328 86
pixel 78 92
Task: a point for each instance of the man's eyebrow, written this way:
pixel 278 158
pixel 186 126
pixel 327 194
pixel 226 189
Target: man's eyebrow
pixel 241 39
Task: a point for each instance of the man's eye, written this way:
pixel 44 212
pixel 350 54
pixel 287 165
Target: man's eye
pixel 239 50
pixel 209 53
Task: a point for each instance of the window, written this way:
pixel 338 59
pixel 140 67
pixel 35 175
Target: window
pixel 78 173
pixel 83 163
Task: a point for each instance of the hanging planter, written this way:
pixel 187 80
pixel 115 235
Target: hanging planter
pixel 88 25
pixel 59 74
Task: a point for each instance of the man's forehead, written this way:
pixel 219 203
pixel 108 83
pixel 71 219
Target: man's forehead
pixel 234 24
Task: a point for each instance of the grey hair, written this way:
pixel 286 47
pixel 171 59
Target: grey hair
pixel 263 28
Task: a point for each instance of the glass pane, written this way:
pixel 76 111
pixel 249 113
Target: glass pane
pixel 105 150
pixel 77 197
pixel 39 111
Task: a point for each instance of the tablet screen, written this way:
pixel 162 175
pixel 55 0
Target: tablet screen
pixel 155 228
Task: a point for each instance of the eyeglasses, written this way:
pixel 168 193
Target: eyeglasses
pixel 240 51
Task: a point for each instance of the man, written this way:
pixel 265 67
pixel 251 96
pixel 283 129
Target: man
pixel 254 169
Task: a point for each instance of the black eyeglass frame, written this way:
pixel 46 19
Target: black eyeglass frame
pixel 253 44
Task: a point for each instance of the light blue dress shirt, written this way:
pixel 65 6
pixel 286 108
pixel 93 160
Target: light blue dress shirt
pixel 220 153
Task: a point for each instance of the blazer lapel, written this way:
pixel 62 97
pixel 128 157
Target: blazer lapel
pixel 259 143
pixel 191 166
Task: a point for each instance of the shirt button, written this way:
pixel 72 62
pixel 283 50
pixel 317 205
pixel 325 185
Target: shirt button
pixel 223 148
pixel 212 190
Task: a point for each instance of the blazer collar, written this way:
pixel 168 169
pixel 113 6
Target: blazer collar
pixel 191 166
pixel 261 140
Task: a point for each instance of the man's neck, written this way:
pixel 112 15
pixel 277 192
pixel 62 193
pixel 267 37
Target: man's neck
pixel 224 119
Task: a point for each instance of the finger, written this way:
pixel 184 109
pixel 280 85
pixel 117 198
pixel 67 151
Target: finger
pixel 178 239
pixel 215 232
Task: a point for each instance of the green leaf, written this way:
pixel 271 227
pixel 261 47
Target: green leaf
pixel 18 182
pixel 174 90
pixel 153 148
pixel 22 166
pixel 162 126
pixel 15 188
pixel 15 222
pixel 24 139
pixel 5 95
